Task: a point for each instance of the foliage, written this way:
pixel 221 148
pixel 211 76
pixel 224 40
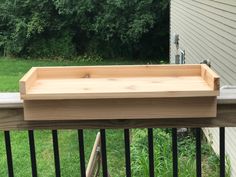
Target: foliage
pixel 25 22
pixel 89 59
pixel 163 155
pixel 59 46
pixel 120 28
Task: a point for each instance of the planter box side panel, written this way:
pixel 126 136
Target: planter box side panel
pixel 94 109
pixel 27 80
pixel 117 71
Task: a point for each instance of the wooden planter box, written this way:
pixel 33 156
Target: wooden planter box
pixel 119 92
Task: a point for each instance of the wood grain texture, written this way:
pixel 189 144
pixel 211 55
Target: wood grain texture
pixel 12 100
pixel 151 87
pixel 119 92
pixel 27 80
pixel 95 157
pixel 137 81
pixel 111 71
pixel 13 119
pixel 210 77
pixel 119 108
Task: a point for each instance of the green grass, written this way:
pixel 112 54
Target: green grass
pixel 163 155
pixel 11 70
pixel 69 152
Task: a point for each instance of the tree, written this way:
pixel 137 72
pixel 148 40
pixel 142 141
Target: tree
pixel 110 28
pixel 117 24
pixel 23 22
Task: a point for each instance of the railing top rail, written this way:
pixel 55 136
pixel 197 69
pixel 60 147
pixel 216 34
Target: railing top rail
pixel 227 95
pixel 12 99
pixel 11 117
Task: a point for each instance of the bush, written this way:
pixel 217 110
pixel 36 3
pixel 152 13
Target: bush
pixel 59 46
pixel 163 155
pixel 111 29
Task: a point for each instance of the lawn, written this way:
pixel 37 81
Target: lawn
pixel 11 70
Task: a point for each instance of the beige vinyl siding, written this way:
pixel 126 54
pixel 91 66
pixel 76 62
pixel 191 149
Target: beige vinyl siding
pixel 207 30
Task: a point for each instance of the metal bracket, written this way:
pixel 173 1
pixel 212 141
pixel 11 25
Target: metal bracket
pixel 207 62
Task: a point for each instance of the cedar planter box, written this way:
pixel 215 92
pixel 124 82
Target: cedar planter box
pixel 119 92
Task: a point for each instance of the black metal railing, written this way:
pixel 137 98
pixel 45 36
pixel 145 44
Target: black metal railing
pixel 127 152
pixel 175 152
pixel 9 153
pixel 198 153
pixel 222 152
pixel 81 152
pixel 32 153
pixel 56 153
pixel 151 152
pixel 104 153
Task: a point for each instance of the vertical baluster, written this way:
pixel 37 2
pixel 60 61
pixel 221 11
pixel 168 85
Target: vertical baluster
pixel 127 152
pixel 32 153
pixel 81 152
pixel 175 152
pixel 104 153
pixel 56 153
pixel 222 152
pixel 198 152
pixel 151 152
pixel 9 153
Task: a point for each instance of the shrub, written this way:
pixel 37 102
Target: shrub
pixel 111 29
pixel 163 155
pixel 59 46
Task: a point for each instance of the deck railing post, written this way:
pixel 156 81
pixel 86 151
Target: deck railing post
pixel 127 152
pixel 104 153
pixel 198 153
pixel 81 152
pixel 175 152
pixel 32 153
pixel 222 152
pixel 150 152
pixel 9 153
pixel 56 153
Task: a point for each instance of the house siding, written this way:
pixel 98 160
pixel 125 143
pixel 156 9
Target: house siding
pixel 207 31
pixel 212 134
